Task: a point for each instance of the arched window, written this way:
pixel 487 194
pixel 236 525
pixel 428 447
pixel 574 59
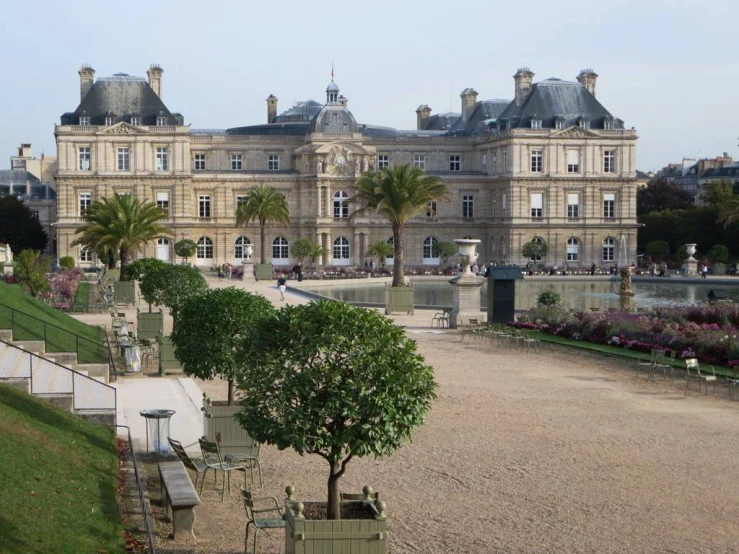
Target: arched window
pixel 280 248
pixel 205 249
pixel 341 206
pixel 390 259
pixel 240 247
pixel 428 251
pixel 163 249
pixel 85 255
pixel 573 249
pixel 609 249
pixel 341 250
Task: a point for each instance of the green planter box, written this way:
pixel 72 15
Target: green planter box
pixel 399 299
pixel 264 272
pixel 124 292
pixel 167 359
pixel 346 536
pixel 220 426
pixel 149 325
pixel 719 269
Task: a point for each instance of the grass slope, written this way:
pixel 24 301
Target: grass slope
pixel 61 335
pixel 59 478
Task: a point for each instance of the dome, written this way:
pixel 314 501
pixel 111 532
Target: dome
pixel 335 119
pixel 332 87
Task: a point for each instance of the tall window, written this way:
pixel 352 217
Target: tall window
pixel 609 161
pixel 537 204
pixel 163 201
pixel 468 206
pixel 537 161
pixel 609 248
pixel 124 159
pixel 236 162
pixel 84 120
pixel 383 161
pixel 559 123
pixel 573 249
pixel 495 163
pixel 431 209
pixel 341 248
pixel 240 247
pixel 280 248
pixel 573 161
pixel 419 161
pixel 341 206
pixel 199 162
pixel 505 205
pixel 85 158
pixel 273 162
pixel 135 120
pixel 584 123
pixel 505 161
pixel 609 204
pixel 204 248
pixel 240 199
pixel 455 163
pixel 573 205
pixel 85 201
pixel 608 125
pixel 85 255
pixel 204 206
pixel 428 248
pixel 162 159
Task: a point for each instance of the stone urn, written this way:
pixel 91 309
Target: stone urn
pixel 248 263
pixel 467 249
pixel 467 286
pixel 691 264
pixel 690 249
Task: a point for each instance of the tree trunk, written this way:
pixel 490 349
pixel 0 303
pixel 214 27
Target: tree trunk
pixel 125 259
pixel 398 256
pixel 230 392
pixel 111 259
pixel 261 243
pixel 334 500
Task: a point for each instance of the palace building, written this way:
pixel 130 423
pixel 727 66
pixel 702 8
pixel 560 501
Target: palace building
pixel 551 165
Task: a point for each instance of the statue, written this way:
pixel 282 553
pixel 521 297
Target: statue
pixel 626 289
pixel 8 254
pixel 320 166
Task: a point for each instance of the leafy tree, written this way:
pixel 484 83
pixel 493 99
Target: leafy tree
pixel 718 194
pixel 264 204
pixel 185 248
pixel 214 333
pixel 534 250
pixel 67 262
pixel 122 223
pixel 444 249
pixel 31 268
pixel 306 248
pixel 658 250
pixel 153 277
pixel 718 254
pixel 18 226
pixel 334 380
pixel 177 283
pixel 548 298
pixel 660 195
pixel 381 250
pixel 398 194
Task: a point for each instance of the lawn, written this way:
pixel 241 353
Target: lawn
pixel 82 297
pixel 62 332
pixel 60 480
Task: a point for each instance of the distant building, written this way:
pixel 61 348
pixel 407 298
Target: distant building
pixel 32 180
pixel 693 173
pixel 552 165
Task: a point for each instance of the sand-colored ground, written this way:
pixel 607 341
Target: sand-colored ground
pixel 527 452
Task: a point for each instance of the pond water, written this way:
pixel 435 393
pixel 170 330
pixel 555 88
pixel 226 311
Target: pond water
pixel 579 294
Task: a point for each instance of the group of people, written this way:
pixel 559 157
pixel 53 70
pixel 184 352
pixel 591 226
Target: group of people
pixel 225 271
pixel 369 265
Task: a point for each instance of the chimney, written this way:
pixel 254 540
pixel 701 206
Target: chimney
pixel 587 79
pixel 469 99
pixel 155 78
pixel 25 150
pixel 422 116
pixel 523 79
pixel 87 76
pixel 343 100
pixel 271 108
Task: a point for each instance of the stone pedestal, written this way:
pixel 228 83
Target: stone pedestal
pixel 248 274
pixel 8 268
pixel 691 267
pixel 466 299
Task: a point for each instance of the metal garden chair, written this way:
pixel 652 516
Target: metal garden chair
pixel 263 517
pixel 694 372
pixel 214 460
pixel 198 466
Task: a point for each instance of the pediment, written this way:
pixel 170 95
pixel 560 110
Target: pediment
pixel 575 132
pixel 123 128
pixel 343 146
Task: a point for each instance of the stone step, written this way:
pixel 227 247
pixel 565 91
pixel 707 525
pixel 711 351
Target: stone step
pixel 62 401
pixel 66 359
pixel 6 335
pixel 93 370
pixel 101 417
pixel 20 384
pixel 35 346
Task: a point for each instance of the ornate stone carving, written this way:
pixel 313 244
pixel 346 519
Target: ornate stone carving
pixel 121 129
pixel 338 161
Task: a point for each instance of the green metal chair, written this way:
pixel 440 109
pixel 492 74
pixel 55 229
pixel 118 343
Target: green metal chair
pixel 260 517
pixel 249 457
pixel 198 466
pixel 214 460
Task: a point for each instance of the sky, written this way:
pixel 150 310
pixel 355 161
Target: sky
pixel 668 68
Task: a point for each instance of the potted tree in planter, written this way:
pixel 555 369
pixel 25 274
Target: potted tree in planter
pixel 398 194
pixel 185 248
pixel 264 204
pixel 340 382
pixel 718 255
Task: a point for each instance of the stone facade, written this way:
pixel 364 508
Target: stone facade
pixel 562 181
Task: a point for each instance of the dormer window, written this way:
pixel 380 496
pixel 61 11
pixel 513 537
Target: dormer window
pixel 135 120
pixel 109 120
pixel 84 120
pixel 536 123
pixel 608 124
pixel 559 123
pixel 584 123
pixel 161 121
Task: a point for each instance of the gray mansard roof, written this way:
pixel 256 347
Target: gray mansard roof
pixel 25 185
pixel 554 98
pixel 121 96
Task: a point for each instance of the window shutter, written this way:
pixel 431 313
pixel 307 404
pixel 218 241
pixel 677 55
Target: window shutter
pixel 573 199
pixel 573 157
pixel 609 196
pixel 537 201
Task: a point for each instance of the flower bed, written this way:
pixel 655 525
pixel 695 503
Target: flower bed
pixel 63 286
pixel 707 332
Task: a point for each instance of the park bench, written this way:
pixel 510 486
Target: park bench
pixel 179 497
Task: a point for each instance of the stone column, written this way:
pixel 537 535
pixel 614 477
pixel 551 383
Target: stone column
pixel 329 255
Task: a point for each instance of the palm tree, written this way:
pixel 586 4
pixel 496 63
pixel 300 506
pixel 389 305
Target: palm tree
pixel 381 250
pixel 398 194
pixel 265 204
pixel 121 224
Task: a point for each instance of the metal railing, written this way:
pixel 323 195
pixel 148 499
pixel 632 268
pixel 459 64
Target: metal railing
pixel 148 518
pixel 26 327
pixel 112 372
pixel 49 378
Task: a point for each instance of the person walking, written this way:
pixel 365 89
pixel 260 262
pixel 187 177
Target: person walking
pixel 282 285
pixel 704 271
